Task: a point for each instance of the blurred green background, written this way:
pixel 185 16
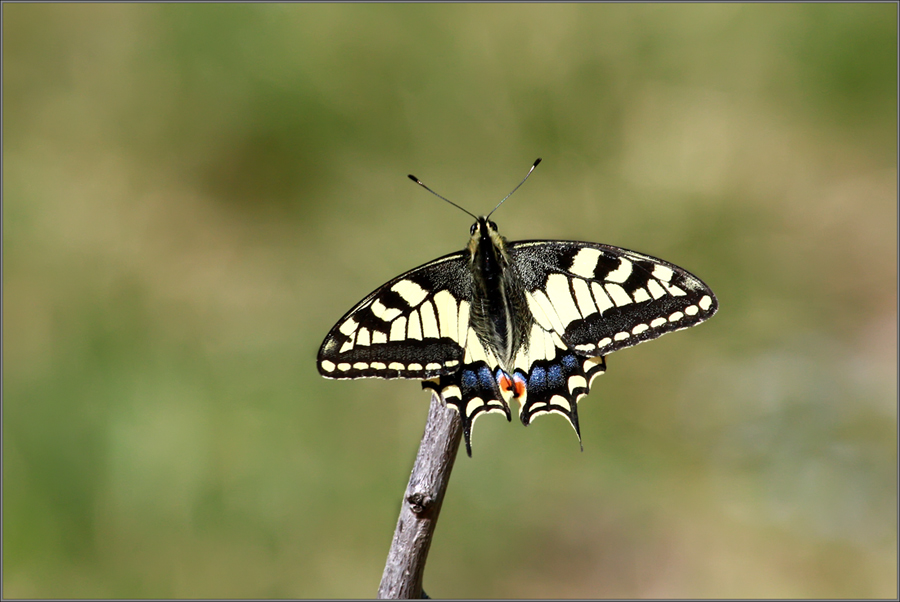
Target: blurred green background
pixel 194 194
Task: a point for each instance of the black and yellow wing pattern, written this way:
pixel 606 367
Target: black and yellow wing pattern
pixel 530 321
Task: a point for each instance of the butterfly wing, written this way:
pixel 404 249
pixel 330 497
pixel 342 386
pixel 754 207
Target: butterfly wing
pixel 587 301
pixel 414 326
pixel 417 326
pixel 584 301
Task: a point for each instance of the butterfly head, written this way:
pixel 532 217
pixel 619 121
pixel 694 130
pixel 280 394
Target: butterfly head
pixel 483 228
pixel 485 242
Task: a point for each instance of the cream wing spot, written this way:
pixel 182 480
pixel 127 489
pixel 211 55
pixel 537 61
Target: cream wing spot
pixel 549 347
pixel 559 400
pixel 474 404
pixel 347 346
pixel 583 297
pixel 705 303
pixel 538 312
pixel 639 329
pixel 575 381
pixel 621 336
pixel 674 290
pixel 328 366
pixel 604 342
pixel 691 310
pixel 414 367
pixel 360 366
pixel 561 297
pixel 621 273
pixel 641 295
pixel 411 292
pixel 362 337
pixel 448 314
pixel 536 346
pixel 658 322
pixel 590 363
pixel 618 294
pixel 463 323
pixel 522 360
pixel 398 329
pixel 601 298
pixel 537 409
pixel 414 328
pixel 676 316
pixel 662 272
pixel 557 342
pixel 378 337
pixel 433 366
pixel 396 366
pixel 594 377
pixel 343 366
pixel 378 366
pixel 656 289
pixel 383 312
pixel 349 326
pixel 549 311
pixel 429 321
pixel 584 262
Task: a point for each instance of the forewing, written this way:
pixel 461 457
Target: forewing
pixel 599 299
pixel 415 326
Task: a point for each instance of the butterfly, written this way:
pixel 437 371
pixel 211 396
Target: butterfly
pixel 530 321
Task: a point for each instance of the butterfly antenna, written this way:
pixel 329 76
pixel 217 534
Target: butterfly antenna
pixel 419 182
pixel 516 188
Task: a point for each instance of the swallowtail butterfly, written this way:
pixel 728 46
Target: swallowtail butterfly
pixel 530 321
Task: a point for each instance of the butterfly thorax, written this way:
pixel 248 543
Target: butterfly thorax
pixel 498 297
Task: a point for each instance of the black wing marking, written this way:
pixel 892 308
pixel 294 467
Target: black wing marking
pixel 417 326
pixel 414 326
pixel 585 300
pixel 556 386
pixel 599 299
pixel 589 300
pixel 473 392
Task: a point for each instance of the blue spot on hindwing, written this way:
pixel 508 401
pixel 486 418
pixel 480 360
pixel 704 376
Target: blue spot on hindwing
pixel 555 376
pixel 537 380
pixel 486 378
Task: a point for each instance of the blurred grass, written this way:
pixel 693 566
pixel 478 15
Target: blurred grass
pixel 194 193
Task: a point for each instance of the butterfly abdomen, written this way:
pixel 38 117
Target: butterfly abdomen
pixel 498 318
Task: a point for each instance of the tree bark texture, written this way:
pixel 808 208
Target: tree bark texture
pixel 402 578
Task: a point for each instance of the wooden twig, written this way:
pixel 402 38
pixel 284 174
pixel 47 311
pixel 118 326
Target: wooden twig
pixel 421 504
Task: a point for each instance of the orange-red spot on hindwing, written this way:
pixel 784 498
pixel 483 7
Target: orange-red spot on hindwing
pixel 511 384
pixel 505 382
pixel 519 385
